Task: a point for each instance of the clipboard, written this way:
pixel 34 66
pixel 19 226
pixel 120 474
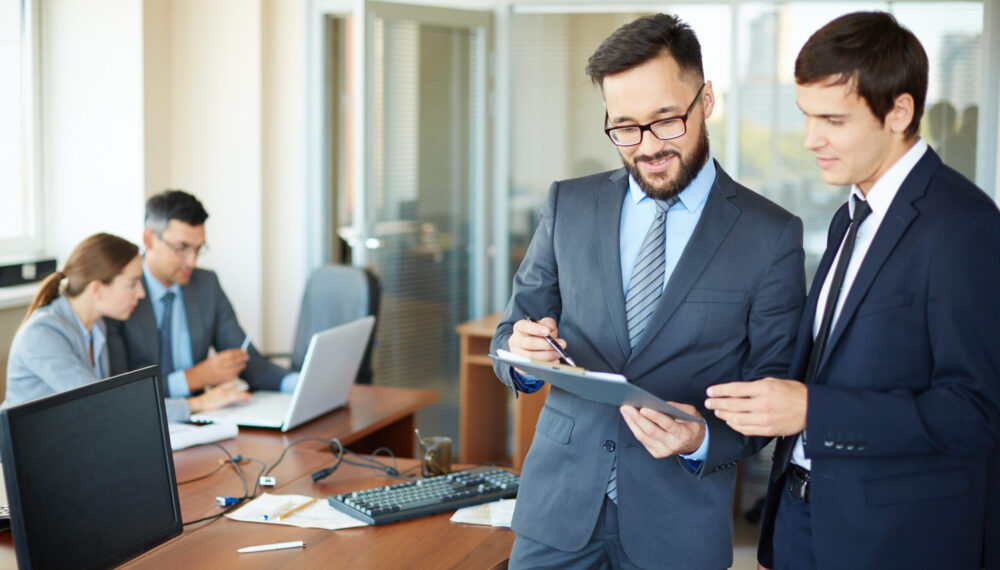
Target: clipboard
pixel 596 386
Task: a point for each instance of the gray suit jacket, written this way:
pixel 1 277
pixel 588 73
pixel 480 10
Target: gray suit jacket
pixel 212 323
pixel 729 312
pixel 50 354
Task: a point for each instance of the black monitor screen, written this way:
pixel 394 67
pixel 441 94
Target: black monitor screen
pixel 89 473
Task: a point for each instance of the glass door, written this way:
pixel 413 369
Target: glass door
pixel 420 217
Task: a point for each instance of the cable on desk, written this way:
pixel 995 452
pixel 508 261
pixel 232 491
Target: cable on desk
pixel 235 462
pixel 328 442
pixel 205 476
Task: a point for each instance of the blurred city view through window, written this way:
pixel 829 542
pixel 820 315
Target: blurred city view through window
pixel 756 130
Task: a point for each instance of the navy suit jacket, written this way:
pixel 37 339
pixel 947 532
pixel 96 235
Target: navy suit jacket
pixel 212 323
pixel 905 408
pixel 729 312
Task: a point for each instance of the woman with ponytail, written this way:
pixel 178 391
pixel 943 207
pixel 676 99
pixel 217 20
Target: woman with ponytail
pixel 61 343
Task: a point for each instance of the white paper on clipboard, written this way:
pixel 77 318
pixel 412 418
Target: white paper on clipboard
pixel 602 387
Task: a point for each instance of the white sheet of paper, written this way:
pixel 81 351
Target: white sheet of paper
pixel 185 435
pixel 609 376
pixel 501 512
pixel 476 514
pixel 511 356
pixel 317 515
pixel 497 513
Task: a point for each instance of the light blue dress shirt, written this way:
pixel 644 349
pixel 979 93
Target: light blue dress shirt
pixel 638 211
pixel 180 336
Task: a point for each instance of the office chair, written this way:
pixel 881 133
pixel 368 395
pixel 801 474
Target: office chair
pixel 334 295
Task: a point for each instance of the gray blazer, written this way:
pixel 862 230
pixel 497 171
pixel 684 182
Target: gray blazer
pixel 211 321
pixel 50 354
pixel 729 312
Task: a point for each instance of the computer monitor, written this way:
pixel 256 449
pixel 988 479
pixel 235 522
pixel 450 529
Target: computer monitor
pixel 89 473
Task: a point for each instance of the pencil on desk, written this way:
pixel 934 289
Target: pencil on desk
pixel 298 508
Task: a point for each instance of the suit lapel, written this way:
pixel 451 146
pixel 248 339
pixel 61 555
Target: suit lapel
pixel 898 218
pixel 608 215
pixel 838 227
pixel 145 320
pixel 716 221
pixel 193 312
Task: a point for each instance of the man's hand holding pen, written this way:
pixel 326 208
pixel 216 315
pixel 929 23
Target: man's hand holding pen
pixel 535 340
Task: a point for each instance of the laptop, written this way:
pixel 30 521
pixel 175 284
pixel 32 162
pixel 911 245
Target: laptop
pixel 89 474
pixel 328 372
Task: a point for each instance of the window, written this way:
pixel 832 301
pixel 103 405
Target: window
pixel 756 130
pixel 19 214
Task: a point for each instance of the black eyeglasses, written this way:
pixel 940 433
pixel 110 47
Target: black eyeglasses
pixel 664 129
pixel 184 249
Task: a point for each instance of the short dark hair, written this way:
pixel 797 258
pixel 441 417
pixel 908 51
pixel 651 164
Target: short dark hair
pixel 173 205
pixel 881 58
pixel 641 40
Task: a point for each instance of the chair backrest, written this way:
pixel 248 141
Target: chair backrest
pixel 334 295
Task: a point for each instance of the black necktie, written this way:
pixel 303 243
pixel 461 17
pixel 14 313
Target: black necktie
pixel 861 211
pixel 783 453
pixel 166 347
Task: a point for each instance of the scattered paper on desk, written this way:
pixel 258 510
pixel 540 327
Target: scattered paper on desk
pixel 185 435
pixel 316 515
pixel 498 513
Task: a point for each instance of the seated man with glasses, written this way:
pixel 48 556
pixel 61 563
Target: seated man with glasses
pixel 186 312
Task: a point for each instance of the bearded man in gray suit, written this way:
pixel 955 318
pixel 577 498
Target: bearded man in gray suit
pixel 672 274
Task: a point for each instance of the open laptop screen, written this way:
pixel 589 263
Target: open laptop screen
pixel 89 473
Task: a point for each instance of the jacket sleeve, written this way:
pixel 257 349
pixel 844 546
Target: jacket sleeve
pixel 260 373
pixel 45 351
pixel 773 322
pixel 536 284
pixel 959 412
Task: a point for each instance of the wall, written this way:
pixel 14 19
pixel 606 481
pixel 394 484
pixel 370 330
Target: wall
pixel 283 168
pixel 224 91
pixel 91 108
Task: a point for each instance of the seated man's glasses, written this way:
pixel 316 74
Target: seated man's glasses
pixel 184 249
pixel 664 129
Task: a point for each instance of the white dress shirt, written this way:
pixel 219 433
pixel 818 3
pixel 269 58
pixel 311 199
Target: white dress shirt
pixel 879 197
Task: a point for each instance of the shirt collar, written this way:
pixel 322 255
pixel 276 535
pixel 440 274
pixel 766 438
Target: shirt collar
pixel 885 188
pixel 692 196
pixel 154 288
pixel 79 323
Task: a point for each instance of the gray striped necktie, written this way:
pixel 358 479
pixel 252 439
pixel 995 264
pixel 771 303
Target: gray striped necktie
pixel 644 289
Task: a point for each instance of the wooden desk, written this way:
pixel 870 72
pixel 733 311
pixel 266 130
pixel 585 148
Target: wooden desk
pixel 375 416
pixel 482 426
pixel 426 542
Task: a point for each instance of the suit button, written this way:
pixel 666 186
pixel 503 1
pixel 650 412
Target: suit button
pixel 828 443
pixel 839 445
pixel 850 446
pixel 861 446
pixel 609 446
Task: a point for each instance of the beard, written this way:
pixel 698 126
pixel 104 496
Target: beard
pixel 689 168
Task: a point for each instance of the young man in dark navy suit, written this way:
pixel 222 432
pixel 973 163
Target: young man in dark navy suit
pixel 892 418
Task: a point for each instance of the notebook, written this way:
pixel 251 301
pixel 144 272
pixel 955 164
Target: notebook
pixel 328 372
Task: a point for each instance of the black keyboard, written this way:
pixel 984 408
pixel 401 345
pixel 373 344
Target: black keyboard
pixel 427 496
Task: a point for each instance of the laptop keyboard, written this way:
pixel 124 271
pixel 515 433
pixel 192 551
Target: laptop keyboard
pixel 264 409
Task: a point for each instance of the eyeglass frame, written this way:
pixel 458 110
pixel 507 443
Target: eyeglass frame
pixel 649 126
pixel 185 249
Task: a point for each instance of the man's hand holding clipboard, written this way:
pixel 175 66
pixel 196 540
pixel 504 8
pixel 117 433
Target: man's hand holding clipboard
pixel 664 428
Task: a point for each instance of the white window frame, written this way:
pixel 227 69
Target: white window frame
pixel 31 243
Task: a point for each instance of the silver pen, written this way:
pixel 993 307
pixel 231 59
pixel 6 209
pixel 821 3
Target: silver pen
pixel 565 358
